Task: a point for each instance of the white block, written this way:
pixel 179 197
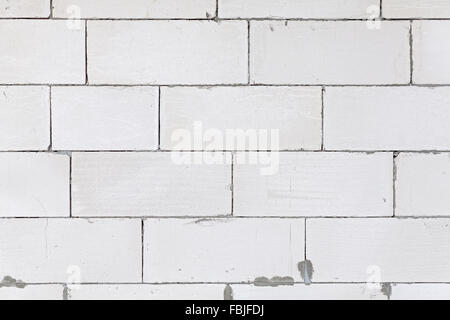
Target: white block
pixel 316 184
pixel 136 9
pixel 423 184
pixel 148 292
pixel 310 292
pixel 71 250
pixel 31 58
pixel 416 9
pixel 291 9
pixel 423 291
pixel 34 185
pixel 148 184
pixel 431 49
pixel 379 250
pixel 105 118
pixel 387 118
pixel 287 118
pixel 231 250
pixel 24 8
pixel 32 292
pixel 331 52
pixel 24 118
pixel 167 52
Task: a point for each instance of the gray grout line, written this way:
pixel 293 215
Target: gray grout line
pixel 248 53
pixel 381 9
pixel 51 10
pixel 50 147
pixel 159 118
pixel 142 250
pixel 323 119
pixel 411 53
pixel 70 186
pixel 217 10
pixel 238 85
pixel 215 19
pixel 368 152
pixel 394 182
pixel 86 52
pixel 228 217
pixel 232 184
pixel 305 248
pixel 231 283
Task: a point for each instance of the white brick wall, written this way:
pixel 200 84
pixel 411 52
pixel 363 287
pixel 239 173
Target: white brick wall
pixel 167 52
pixel 30 58
pixel 387 118
pixel 209 149
pixel 312 53
pixel 140 184
pixel 60 250
pixel 24 8
pixel 320 9
pixel 416 9
pixel 138 9
pixel 311 292
pixel 431 47
pixel 317 184
pixel 234 250
pixel 24 118
pixel 360 250
pixel 105 118
pixel 422 185
pixel 294 112
pixel 34 185
pixel 147 292
pixel 32 292
pixel 421 292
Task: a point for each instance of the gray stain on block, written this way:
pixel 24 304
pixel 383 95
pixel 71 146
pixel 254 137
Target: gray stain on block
pixel 386 289
pixel 228 293
pixel 274 282
pixel 306 271
pixel 10 282
pixel 66 293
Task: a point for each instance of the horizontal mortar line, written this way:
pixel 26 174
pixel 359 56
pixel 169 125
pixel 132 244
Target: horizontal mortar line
pixel 233 283
pixel 330 85
pixel 227 217
pixel 211 151
pixel 224 85
pixel 281 19
pixel 368 152
pixel 112 19
pixel 150 283
pixel 133 283
pixel 219 19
